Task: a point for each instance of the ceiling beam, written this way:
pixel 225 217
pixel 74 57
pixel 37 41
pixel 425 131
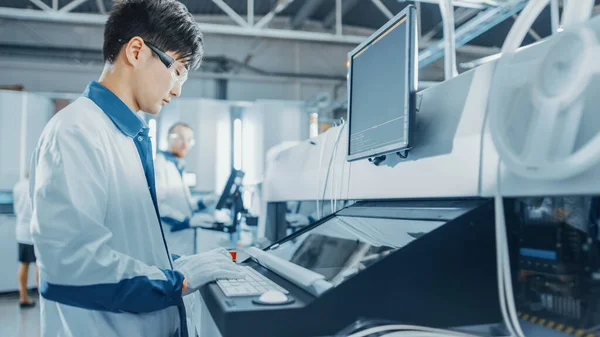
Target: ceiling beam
pixel 388 14
pixel 308 8
pixel 206 28
pixel 475 4
pixel 281 6
pixel 101 7
pixel 41 5
pixel 480 24
pixel 250 11
pixel 338 17
pixel 71 6
pixel 231 13
pixel 461 15
pixel 347 5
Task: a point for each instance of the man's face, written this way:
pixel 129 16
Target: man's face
pixel 155 84
pixel 181 141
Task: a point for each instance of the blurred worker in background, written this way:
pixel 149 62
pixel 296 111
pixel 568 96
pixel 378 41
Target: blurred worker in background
pixel 22 209
pixel 178 209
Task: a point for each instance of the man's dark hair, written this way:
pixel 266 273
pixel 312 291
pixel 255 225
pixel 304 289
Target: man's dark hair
pixel 174 126
pixel 166 24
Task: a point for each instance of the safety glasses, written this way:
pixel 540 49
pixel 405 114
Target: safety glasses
pixel 190 141
pixel 179 73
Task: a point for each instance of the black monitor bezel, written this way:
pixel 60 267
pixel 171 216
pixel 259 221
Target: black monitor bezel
pixel 411 82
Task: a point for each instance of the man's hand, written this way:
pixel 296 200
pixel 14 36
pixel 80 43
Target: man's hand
pixel 210 200
pixel 203 268
pixel 297 220
pixel 202 220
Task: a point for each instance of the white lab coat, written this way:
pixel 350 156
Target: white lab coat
pixel 22 207
pixel 174 201
pixel 104 268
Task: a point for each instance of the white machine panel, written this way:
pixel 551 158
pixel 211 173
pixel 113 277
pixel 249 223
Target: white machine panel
pixel 444 162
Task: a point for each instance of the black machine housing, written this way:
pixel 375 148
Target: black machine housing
pixel 444 278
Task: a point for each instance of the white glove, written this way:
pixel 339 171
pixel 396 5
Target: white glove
pixel 202 220
pixel 296 219
pixel 210 200
pixel 203 268
pixel 223 216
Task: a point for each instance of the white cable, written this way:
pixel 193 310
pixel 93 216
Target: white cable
pixel 341 184
pixel 505 289
pixel 411 328
pixel 335 150
pixel 334 183
pixel 413 334
pixel 499 269
pixel 336 147
pixel 330 162
pixel 331 201
pixel 332 187
pixel 324 142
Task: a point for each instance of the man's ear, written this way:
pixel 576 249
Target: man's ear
pixel 133 50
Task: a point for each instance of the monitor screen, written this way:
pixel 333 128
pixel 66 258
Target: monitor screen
pixel 381 89
pixel 343 246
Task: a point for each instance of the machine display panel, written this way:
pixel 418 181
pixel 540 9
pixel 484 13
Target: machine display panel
pixel 381 87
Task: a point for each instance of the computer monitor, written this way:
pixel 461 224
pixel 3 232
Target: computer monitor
pixel 381 89
pixel 231 193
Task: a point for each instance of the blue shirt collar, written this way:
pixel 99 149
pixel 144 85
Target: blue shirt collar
pixel 179 163
pixel 124 118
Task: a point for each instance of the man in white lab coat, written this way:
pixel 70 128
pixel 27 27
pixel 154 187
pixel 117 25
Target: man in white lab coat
pixel 105 269
pixel 22 209
pixel 179 211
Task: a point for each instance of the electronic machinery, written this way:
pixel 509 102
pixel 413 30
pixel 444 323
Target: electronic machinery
pixel 522 239
pixel 414 260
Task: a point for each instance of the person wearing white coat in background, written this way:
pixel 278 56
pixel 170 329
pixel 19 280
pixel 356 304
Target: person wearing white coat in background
pixel 22 208
pixel 105 269
pixel 179 211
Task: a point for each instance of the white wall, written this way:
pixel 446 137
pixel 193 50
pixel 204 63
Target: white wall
pixel 268 123
pixel 22 119
pixel 10 126
pixel 210 159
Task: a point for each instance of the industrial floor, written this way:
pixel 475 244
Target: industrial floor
pixel 15 322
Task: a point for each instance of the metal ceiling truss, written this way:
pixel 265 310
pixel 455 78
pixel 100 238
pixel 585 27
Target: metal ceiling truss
pixel 487 14
pixel 473 28
pixel 65 9
pixel 241 27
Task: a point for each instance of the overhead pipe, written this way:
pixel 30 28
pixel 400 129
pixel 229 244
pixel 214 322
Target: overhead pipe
pixel 447 11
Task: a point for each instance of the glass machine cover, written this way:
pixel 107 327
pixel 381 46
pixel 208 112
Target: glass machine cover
pixel 343 246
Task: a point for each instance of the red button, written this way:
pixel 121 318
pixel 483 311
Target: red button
pixel 233 255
